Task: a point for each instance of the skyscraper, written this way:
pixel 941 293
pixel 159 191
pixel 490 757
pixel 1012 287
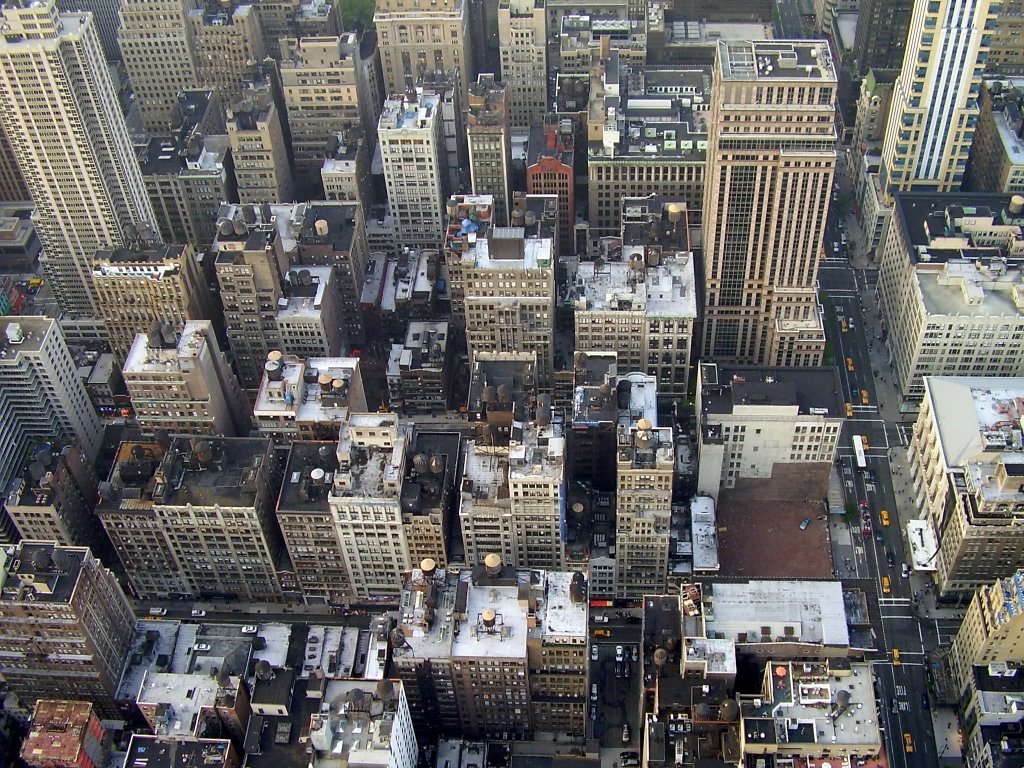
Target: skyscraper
pixel 487 133
pixel 771 157
pixel 935 99
pixel 64 122
pixel 522 33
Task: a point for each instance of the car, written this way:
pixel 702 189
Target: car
pixel 842 325
pixel 849 411
pixel 890 559
pixel 157 611
pixel 896 657
pixel 602 633
pixel 593 713
pixel 849 364
pixel 629 755
pixel 618 669
pixel 635 653
pixel 627 670
pixel 619 651
pixel 625 733
pixel 805 523
pixel 894 706
pixel 593 692
pixel 865 508
pixel 864 442
pixel 202 646
pixel 249 629
pixel 864 398
pixel 886 586
pixel 835 247
pixel 925 703
pixel 908 743
pixel 884 517
pixel 843 238
pixel 852 326
pixel 197 614
pixel 879 539
pixel 905 570
pixel 602 619
pixel 629 762
pixel 594 654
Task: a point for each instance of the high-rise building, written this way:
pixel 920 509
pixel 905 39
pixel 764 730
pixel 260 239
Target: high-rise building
pixel 764 219
pixel 490 144
pixel 550 171
pixel 640 300
pixel 226 39
pixel 188 172
pixel 506 281
pixel 882 29
pixel 645 467
pixel 991 629
pixel 308 399
pixel 334 235
pixel 416 36
pixel 145 284
pixel 420 370
pixel 997 164
pixel 950 292
pixel 318 76
pixel 345 173
pixel 44 397
pixel 451 106
pixel 60 107
pixel 182 383
pixel 66 626
pixel 365 501
pixel 798 417
pixel 256 136
pixel 196 517
pixel 965 469
pixel 1006 52
pixel 65 734
pixel 523 38
pixel 157 48
pixel 494 651
pixel 53 497
pixel 413 153
pixel 295 18
pixel 935 99
pixel 12 183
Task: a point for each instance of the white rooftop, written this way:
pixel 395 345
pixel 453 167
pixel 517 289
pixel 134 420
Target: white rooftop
pixel 537 251
pixel 296 307
pixel 976 416
pixel 371 453
pixel 539 452
pixel 924 545
pixel 186 693
pixel 704 531
pixel 507 639
pixel 563 621
pixel 960 288
pixel 306 391
pixel 488 471
pixel 144 358
pixel 812 609
pixel 666 290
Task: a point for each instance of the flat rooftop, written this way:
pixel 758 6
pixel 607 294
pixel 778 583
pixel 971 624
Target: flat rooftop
pixel 56 732
pixel 801 611
pixel 215 471
pixel 665 290
pixel 938 227
pixel 24 333
pixel 704 534
pixel 336 230
pixel 303 489
pixel 402 114
pixel 149 356
pixel 973 415
pixel 177 752
pixel 776 60
pixel 563 619
pixel 355 719
pixel 540 450
pixel 734 390
pixel 314 390
pixel 507 637
pixel 42 572
pixel 372 452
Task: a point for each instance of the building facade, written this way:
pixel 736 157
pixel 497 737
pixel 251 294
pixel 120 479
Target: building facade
pixel 54 63
pixel 523 39
pixel 256 136
pixel 764 219
pixel 489 141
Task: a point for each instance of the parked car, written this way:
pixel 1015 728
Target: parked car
pixel 197 614
pixel 805 523
pixel 593 653
pixel 157 611
pixel 619 651
pixel 925 704
pixel 635 653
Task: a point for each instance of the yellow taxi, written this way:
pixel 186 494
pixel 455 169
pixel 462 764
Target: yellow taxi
pixel 886 586
pixel 602 633
pixel 843 325
pixel 896 657
pixel 884 517
pixel 849 364
pixel 849 411
pixel 864 442
pixel 908 743
pixel 864 397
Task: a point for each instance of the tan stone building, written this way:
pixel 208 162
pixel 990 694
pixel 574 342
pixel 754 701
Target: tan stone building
pixel 417 36
pixel 256 137
pixel 226 40
pixel 522 37
pixel 997 153
pixel 965 469
pixel 183 384
pixel 764 219
pixel 489 141
pixel 12 183
pixel 318 76
pixel 142 285
pixel 991 630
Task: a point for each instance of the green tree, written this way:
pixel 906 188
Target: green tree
pixel 357 14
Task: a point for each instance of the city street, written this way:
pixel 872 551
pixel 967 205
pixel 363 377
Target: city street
pixel 880 555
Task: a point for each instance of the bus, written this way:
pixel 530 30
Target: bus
pixel 858 450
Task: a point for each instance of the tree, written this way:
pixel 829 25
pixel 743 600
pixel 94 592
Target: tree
pixel 357 14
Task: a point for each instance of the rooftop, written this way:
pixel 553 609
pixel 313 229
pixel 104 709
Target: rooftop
pixel 371 457
pixel 704 534
pixel 401 114
pixel 305 289
pixel 56 732
pixel 664 289
pixel 313 390
pixel 164 352
pixel 537 447
pixel 304 488
pixel 959 225
pixel 42 572
pixel 22 334
pixel 501 382
pixel 500 633
pixel 355 720
pixel 330 224
pixel 776 60
pixel 798 611
pixel 177 752
pixel 144 260
pixel 431 473
pixel 625 400
pixel 743 390
pixel 424 348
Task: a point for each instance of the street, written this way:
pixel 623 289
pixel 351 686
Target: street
pixel 910 626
